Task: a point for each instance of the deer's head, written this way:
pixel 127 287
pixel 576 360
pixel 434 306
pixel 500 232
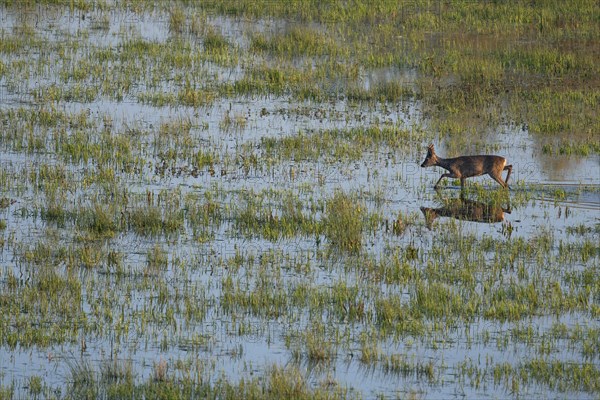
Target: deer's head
pixel 431 158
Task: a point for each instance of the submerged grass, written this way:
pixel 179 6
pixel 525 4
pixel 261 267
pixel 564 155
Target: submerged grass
pixel 344 222
pixel 334 144
pixel 275 383
pixel 295 42
pixel 196 259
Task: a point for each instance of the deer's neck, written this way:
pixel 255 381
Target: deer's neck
pixel 443 162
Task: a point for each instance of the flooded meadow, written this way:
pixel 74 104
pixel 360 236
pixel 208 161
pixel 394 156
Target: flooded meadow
pixel 224 199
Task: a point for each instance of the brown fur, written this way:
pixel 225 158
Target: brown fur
pixel 468 166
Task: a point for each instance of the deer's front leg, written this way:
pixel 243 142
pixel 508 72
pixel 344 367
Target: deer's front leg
pixel 450 175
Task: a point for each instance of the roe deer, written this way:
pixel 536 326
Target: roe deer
pixel 468 166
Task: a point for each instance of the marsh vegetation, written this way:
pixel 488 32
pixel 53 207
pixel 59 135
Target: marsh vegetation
pixel 223 199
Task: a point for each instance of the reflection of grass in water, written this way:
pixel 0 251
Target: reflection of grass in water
pixel 176 20
pixel 273 383
pixel 463 79
pixel 156 260
pixel 286 220
pixel 297 41
pixel 584 148
pixel 236 122
pixel 382 92
pixel 340 143
pixel 344 222
pixel 152 220
pixel 94 230
pixel 559 375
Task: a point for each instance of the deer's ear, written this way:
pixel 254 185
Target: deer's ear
pixel 430 147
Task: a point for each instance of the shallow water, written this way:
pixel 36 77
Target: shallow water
pixel 238 343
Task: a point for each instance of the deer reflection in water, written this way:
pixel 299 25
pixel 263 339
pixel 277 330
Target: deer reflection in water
pixel 466 210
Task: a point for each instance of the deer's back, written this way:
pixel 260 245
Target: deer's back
pixel 467 166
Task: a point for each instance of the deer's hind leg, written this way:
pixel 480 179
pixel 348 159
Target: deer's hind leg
pixel 498 178
pixel 509 168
